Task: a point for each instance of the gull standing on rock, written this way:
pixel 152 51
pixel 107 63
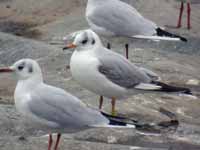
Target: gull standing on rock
pixel 111 18
pixel 109 74
pixel 52 109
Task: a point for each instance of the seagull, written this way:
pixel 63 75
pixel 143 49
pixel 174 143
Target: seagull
pixel 52 109
pixel 109 74
pixel 114 18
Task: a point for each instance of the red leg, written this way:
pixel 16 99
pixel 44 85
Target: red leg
pixel 100 102
pixel 57 141
pixel 180 15
pixel 50 142
pixel 188 15
pixel 126 46
pixel 113 102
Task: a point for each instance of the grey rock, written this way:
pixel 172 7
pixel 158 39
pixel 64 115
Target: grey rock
pixel 176 63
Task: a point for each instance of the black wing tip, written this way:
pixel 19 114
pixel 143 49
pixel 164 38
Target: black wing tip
pixel 183 39
pixel 145 127
pixel 119 120
pixel 161 32
pixel 114 120
pixel 188 91
pixel 169 88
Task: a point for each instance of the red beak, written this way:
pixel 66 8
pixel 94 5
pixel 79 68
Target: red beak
pixel 4 70
pixel 69 46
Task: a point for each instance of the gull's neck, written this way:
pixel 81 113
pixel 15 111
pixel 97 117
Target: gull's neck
pixel 23 92
pixel 29 84
pixel 91 50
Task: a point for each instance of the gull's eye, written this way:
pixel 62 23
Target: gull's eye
pixel 84 41
pixel 20 67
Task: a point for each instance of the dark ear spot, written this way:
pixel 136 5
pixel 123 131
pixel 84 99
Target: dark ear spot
pixel 30 68
pixel 93 41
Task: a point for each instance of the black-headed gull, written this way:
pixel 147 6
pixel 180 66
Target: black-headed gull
pixel 109 74
pixel 50 108
pixel 111 18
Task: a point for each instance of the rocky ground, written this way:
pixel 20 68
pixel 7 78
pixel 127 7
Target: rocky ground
pixel 31 29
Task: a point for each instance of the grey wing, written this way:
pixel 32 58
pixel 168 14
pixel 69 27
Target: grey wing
pixel 121 19
pixel 151 74
pixel 120 71
pixel 55 105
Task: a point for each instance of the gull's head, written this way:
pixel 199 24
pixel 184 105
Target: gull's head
pixel 24 69
pixel 85 40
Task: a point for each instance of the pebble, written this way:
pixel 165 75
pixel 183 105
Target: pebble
pixel 193 82
pixel 111 139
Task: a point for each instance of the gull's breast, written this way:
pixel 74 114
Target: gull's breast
pixel 84 69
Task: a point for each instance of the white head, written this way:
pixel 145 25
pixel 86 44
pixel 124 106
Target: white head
pixel 85 40
pixel 25 69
